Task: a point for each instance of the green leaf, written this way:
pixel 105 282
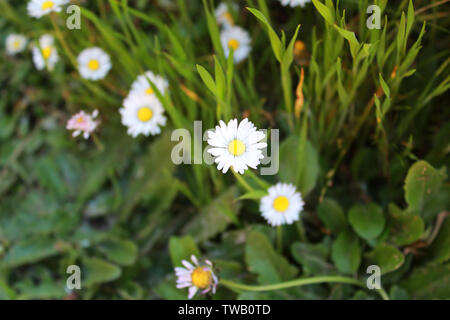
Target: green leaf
pixel 404 227
pixel 214 218
pixel 262 259
pixel 207 79
pixel 367 221
pixel 422 184
pixel 289 170
pixel 29 251
pixel 439 251
pixel 385 87
pixel 432 282
pixel 181 248
pixel 324 11
pixel 275 42
pixel 346 252
pixel 332 215
pixel 253 195
pixel 312 257
pixel 387 257
pixel 95 271
pixel 123 252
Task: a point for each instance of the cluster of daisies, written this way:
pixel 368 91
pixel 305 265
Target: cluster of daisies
pixel 235 145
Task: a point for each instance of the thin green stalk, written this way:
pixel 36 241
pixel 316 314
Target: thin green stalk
pixel 298 283
pixel 279 239
pixel 242 181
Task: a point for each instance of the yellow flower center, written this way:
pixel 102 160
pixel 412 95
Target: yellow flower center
pixel 281 203
pixel 93 64
pixel 201 278
pixel 16 44
pixel 233 43
pixel 236 147
pixel 145 114
pixel 46 52
pixel 47 5
pixel 149 91
pixel 80 120
pixel 227 16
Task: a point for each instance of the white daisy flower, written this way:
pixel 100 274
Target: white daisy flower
pixel 39 8
pixel 93 63
pixel 142 113
pixel 237 39
pixel 236 146
pixel 45 55
pixel 294 3
pixel 83 123
pixel 223 14
pixel 196 277
pixel 15 43
pixel 282 205
pixel 142 83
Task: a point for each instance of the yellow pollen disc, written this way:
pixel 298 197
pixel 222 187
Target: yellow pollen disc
pixel 281 203
pixel 46 52
pixel 16 44
pixel 233 43
pixel 227 16
pixel 149 91
pixel 93 64
pixel 236 147
pixel 201 278
pixel 47 5
pixel 80 120
pixel 145 114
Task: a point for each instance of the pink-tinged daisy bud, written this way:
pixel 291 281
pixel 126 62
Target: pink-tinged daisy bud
pixel 196 277
pixel 83 123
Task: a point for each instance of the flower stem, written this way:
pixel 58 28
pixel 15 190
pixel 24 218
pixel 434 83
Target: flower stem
pixel 242 181
pixel 298 283
pixel 279 239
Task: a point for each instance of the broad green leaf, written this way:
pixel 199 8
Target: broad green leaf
pixel 404 227
pixel 346 252
pixel 332 215
pixel 262 259
pixel 289 159
pixel 387 257
pixel 95 271
pixel 430 282
pixel 367 220
pixel 312 257
pixel 422 184
pixel 181 248
pixel 122 252
pixel 439 251
pixel 215 217
pixel 29 251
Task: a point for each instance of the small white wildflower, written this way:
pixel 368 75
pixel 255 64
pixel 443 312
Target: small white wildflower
pixel 282 205
pixel 196 277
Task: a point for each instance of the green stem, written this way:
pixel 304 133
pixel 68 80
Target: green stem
pixel 279 239
pixel 298 283
pixel 241 180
